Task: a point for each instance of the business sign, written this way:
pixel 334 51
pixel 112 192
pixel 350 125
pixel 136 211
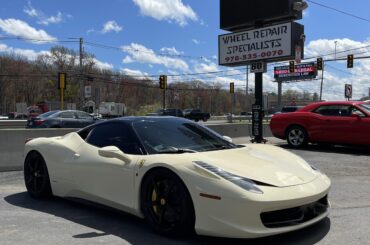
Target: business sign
pixel 242 14
pixel 301 72
pixel 268 44
pixel 348 91
pixel 88 91
pixel 257 67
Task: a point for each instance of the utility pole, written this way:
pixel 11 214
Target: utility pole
pixel 246 90
pixel 322 82
pixel 280 84
pixel 82 94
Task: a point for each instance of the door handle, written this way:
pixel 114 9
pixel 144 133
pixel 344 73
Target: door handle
pixel 76 155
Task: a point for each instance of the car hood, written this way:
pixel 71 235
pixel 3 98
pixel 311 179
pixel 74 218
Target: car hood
pixel 262 163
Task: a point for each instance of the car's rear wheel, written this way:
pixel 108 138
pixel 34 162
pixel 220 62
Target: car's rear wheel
pixel 166 203
pixel 205 119
pixel 36 176
pixel 296 136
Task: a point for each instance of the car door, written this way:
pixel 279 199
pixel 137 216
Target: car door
pixel 106 180
pixel 361 127
pixel 336 125
pixel 68 120
pixel 84 118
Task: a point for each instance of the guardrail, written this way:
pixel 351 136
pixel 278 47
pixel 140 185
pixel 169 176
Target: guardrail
pixel 12 124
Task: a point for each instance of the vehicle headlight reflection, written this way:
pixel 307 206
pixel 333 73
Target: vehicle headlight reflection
pixel 245 183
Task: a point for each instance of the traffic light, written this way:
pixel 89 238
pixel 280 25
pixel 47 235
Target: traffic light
pixel 232 90
pixel 291 66
pixel 162 81
pixel 350 61
pixel 319 64
pixel 62 80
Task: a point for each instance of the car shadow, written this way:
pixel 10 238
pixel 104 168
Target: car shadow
pixel 135 231
pixel 329 148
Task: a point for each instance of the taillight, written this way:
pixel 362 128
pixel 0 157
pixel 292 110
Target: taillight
pixel 39 122
pixel 28 140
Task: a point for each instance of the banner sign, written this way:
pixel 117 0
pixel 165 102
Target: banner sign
pixel 302 71
pixel 268 44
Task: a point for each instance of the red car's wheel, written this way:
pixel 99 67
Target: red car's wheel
pixel 296 136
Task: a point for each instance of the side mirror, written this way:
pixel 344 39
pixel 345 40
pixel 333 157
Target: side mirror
pixel 114 152
pixel 227 138
pixel 356 115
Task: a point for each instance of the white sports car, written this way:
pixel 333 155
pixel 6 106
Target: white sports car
pixel 180 176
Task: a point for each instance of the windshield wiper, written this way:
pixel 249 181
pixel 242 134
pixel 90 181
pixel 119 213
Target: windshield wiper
pixel 174 150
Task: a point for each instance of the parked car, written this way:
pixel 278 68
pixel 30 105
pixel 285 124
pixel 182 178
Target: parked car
pixel 61 119
pixel 196 115
pixel 180 177
pixel 343 122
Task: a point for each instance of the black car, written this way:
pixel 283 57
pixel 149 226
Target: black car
pixel 61 119
pixel 196 115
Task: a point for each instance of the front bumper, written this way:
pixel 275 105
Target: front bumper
pixel 240 216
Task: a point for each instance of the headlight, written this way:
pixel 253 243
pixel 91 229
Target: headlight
pixel 242 182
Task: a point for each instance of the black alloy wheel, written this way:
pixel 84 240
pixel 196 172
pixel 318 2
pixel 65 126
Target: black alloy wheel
pixel 296 136
pixel 36 176
pixel 166 203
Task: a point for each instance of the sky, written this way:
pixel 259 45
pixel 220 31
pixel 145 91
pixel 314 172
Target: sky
pixel 177 37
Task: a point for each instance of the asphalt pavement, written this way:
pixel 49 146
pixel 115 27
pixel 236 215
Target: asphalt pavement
pixel 57 221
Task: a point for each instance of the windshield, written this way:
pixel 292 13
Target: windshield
pixel 177 136
pixel 365 107
pixel 46 114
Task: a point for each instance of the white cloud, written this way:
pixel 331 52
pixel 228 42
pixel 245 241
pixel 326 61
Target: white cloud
pixel 51 20
pixel 30 11
pixel 171 51
pixel 206 67
pixel 141 54
pixel 168 10
pixel 111 26
pixel 135 73
pixel 103 65
pixel 20 28
pixel 42 18
pixel 195 41
pixel 27 53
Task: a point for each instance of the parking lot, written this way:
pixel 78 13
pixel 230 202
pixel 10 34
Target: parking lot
pixel 57 221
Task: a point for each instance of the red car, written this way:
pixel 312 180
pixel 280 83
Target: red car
pixel 344 122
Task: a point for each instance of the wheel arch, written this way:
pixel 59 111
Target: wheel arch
pixel 156 168
pixel 296 125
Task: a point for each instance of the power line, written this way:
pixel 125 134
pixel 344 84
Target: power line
pixel 122 49
pixel 339 11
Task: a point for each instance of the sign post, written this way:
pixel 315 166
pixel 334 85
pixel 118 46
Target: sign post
pixel 62 79
pixel 348 91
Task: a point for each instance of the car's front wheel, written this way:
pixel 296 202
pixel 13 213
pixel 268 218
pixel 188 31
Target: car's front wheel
pixel 296 136
pixel 36 176
pixel 166 203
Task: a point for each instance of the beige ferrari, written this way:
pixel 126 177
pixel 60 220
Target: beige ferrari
pixel 180 176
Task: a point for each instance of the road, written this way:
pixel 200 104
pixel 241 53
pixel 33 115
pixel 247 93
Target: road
pixel 58 221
